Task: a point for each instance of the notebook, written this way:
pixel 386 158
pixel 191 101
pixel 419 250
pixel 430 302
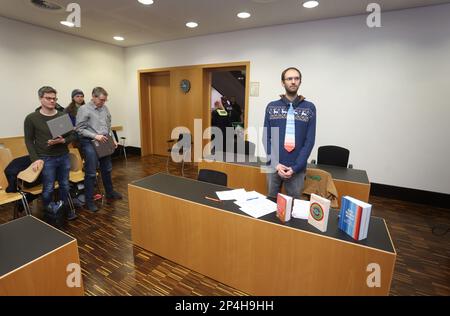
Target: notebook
pixel 104 149
pixel 60 126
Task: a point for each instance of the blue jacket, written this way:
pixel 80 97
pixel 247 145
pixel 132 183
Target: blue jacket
pixel 305 132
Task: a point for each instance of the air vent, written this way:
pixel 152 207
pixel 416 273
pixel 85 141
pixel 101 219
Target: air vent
pixel 46 5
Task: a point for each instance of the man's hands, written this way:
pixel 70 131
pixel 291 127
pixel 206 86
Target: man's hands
pixel 101 138
pixel 284 172
pixel 57 140
pixel 38 164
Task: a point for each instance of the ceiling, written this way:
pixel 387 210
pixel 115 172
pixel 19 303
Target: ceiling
pixel 165 19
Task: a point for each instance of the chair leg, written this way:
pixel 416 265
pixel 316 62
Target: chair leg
pixel 182 168
pixel 99 189
pixel 70 201
pixel 124 153
pixel 25 204
pixel 167 164
pixel 16 210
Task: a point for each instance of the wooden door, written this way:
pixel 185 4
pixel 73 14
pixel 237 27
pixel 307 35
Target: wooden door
pixel 160 112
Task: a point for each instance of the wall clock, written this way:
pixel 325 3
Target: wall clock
pixel 185 85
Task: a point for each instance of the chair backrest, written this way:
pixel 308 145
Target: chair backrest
pixel 16 145
pixel 76 163
pixel 333 155
pixel 212 176
pixel 5 159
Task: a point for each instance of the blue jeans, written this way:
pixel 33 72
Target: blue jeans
pixel 91 162
pixel 55 168
pixel 293 186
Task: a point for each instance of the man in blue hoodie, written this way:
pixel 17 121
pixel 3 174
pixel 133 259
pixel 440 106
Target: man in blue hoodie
pixel 289 135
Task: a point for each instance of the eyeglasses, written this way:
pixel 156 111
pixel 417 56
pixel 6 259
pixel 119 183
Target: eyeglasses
pixel 102 100
pixel 51 99
pixel 292 79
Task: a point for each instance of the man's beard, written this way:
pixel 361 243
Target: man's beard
pixel 291 92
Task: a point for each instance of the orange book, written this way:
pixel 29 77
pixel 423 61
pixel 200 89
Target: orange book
pixel 284 207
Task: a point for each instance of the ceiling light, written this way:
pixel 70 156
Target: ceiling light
pixel 244 15
pixel 310 4
pixel 67 23
pixel 118 38
pixel 146 2
pixel 191 24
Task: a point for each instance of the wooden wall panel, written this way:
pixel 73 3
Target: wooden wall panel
pixel 185 107
pixel 161 112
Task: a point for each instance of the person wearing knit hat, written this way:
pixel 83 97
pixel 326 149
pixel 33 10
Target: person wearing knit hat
pixel 77 101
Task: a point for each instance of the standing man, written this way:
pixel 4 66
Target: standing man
pixel 94 123
pixel 51 154
pixel 295 119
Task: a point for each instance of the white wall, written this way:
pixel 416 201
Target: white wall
pixel 31 57
pixel 383 93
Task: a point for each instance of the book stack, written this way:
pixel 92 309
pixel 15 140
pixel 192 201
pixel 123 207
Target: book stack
pixel 318 212
pixel 354 217
pixel 284 207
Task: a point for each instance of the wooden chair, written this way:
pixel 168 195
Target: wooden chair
pixel 184 152
pixel 5 197
pixel 16 145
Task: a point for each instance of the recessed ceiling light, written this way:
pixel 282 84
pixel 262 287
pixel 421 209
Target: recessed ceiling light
pixel 244 15
pixel 146 2
pixel 118 38
pixel 191 24
pixel 67 23
pixel 310 4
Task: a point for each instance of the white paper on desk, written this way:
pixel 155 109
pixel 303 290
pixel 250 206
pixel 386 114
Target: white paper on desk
pixel 257 207
pixel 254 195
pixel 238 194
pixel 300 209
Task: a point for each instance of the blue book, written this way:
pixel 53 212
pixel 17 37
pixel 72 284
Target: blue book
pixel 354 217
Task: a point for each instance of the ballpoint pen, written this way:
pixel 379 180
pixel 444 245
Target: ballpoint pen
pixel 212 199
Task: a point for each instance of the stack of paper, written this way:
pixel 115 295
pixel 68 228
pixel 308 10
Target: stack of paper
pixel 301 209
pixel 257 207
pixel 252 203
pixel 238 194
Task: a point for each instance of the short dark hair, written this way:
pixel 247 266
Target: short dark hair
pixel 44 90
pixel 98 91
pixel 290 68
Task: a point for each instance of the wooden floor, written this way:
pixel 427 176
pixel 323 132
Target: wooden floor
pixel 111 265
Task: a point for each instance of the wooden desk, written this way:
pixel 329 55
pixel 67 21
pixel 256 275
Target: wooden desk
pixel 34 257
pixel 171 218
pixel 247 174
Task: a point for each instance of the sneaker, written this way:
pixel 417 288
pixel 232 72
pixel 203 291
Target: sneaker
pixel 91 207
pixel 114 195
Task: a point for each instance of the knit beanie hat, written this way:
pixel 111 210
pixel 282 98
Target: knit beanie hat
pixel 77 92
